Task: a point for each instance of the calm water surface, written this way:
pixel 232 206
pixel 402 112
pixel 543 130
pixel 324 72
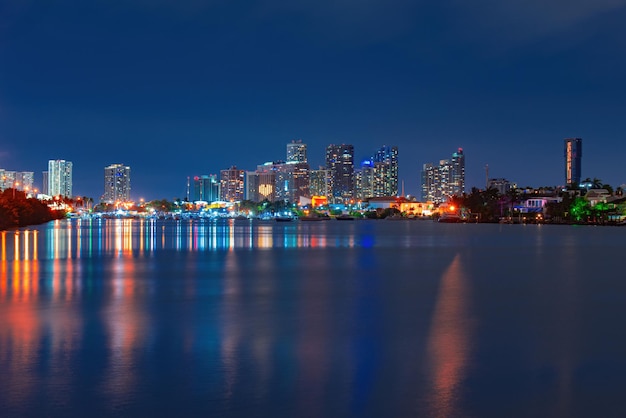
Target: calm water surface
pixel 318 319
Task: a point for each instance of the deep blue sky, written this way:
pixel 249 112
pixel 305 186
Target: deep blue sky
pixel 177 89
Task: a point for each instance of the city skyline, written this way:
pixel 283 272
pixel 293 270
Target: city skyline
pixel 198 87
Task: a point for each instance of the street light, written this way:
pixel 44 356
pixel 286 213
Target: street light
pixel 15 185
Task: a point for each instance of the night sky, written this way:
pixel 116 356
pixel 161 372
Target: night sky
pixel 184 88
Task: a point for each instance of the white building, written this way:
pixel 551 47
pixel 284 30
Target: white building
pixel 60 178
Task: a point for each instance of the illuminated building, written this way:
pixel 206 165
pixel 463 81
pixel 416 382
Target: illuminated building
pixel 60 178
pixel 573 156
pixel 7 179
pixel 317 201
pixel 279 181
pixel 319 182
pixel 297 167
pixel 206 188
pixel 364 180
pixel 296 152
pixel 457 173
pixel 385 172
pixel 440 182
pixel 116 183
pixel 232 184
pixel 25 180
pixel 261 185
pixel 340 163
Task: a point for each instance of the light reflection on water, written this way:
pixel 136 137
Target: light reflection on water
pixel 230 318
pixel 124 237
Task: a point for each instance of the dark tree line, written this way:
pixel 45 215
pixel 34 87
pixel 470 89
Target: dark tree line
pixel 17 210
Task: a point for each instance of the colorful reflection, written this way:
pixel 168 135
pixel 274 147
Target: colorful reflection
pixel 76 239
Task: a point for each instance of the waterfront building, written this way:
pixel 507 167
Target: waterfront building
pixel 503 186
pixel 340 163
pixel 319 182
pixel 573 153
pixel 44 183
pixel 261 185
pixel 296 152
pixel 206 188
pixel 441 182
pixel 364 179
pixel 25 180
pixel 116 183
pixel 457 173
pixel 280 181
pixel 60 178
pixel 385 175
pixel 7 179
pixel 299 180
pixel 232 184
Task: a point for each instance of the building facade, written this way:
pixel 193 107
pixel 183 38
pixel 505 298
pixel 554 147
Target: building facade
pixel 385 162
pixel 116 183
pixel 319 182
pixel 340 164
pixel 206 188
pixel 232 184
pixel 60 178
pixel 573 159
pixel 296 152
pixel 441 182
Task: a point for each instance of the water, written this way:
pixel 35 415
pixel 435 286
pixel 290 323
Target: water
pixel 318 319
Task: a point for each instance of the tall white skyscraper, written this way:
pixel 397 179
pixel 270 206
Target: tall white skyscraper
pixel 60 178
pixel 116 183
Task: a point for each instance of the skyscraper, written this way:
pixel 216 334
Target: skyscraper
pixel 320 182
pixel 116 183
pixel 385 171
pixel 440 182
pixel 457 173
pixel 340 163
pixel 206 188
pixel 60 178
pixel 573 157
pixel 232 184
pixel 296 152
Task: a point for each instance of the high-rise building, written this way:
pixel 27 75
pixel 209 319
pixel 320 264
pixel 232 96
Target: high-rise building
pixel 573 156
pixel 385 162
pixel 25 180
pixel 7 179
pixel 364 180
pixel 116 183
pixel 206 188
pixel 296 152
pixel 340 163
pixel 441 182
pixel 232 184
pixel 319 182
pixel 44 183
pixel 457 173
pixel 261 185
pixel 290 181
pixel 60 178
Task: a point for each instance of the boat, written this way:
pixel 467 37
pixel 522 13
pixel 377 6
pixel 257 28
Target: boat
pixel 284 218
pixel 450 218
pixel 311 218
pixel 344 217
